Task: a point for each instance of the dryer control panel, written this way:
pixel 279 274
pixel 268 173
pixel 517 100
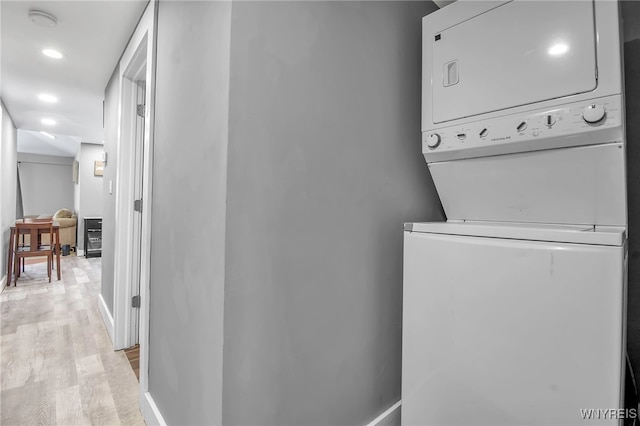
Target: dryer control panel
pixel 591 122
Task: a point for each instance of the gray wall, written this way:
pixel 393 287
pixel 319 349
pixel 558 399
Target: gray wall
pixel 89 188
pixel 188 227
pixel 111 100
pixel 8 163
pixel 325 165
pixel 47 183
pixel 631 16
pixel 630 10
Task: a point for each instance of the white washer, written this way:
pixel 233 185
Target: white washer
pixel 512 325
pixel 514 309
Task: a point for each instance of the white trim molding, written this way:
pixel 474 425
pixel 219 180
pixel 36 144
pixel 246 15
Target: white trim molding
pixel 391 416
pixel 106 316
pixel 137 64
pixel 147 196
pixel 125 172
pixel 3 283
pixel 136 60
pixel 79 252
pixel 150 411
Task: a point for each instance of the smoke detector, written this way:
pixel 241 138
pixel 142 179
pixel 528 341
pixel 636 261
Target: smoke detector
pixel 42 19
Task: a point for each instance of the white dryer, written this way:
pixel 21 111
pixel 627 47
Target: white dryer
pixel 515 308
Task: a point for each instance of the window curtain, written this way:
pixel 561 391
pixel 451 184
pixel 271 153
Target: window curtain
pixel 19 205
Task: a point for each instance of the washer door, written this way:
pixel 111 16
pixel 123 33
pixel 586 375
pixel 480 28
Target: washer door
pixel 582 185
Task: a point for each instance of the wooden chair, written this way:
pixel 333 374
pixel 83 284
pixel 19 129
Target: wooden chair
pixel 35 231
pixel 24 238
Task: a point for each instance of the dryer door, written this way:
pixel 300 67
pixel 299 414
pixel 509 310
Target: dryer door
pixel 518 53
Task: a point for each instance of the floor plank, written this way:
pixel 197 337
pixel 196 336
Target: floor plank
pixel 56 360
pixel 133 355
pixel 69 407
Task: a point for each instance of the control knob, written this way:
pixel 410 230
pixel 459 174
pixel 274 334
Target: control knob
pixel 433 140
pixel 593 113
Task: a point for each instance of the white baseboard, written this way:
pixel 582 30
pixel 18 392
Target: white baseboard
pixel 150 412
pixel 106 316
pixel 3 283
pixel 391 417
pixel 153 417
pixel 79 252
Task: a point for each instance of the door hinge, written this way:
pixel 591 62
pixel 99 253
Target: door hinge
pixel 140 110
pixel 135 301
pixel 137 205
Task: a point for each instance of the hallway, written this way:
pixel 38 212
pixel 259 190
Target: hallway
pixel 56 359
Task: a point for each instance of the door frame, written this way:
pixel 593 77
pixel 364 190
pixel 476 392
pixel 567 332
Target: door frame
pixel 132 71
pixel 138 57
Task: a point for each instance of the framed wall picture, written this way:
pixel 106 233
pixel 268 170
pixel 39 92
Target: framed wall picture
pixel 98 168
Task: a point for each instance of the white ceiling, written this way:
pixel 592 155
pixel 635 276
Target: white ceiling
pixel 91 35
pixel 35 143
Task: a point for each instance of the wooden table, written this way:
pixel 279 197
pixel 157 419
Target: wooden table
pixel 13 236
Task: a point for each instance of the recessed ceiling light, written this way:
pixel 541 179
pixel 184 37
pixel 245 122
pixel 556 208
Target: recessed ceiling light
pixel 558 49
pixel 42 19
pixel 48 121
pixel 48 135
pixel 45 97
pixel 52 53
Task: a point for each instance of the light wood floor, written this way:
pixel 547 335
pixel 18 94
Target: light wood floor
pixel 57 365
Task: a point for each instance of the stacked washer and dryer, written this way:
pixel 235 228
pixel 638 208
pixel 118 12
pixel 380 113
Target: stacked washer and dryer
pixel 515 307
